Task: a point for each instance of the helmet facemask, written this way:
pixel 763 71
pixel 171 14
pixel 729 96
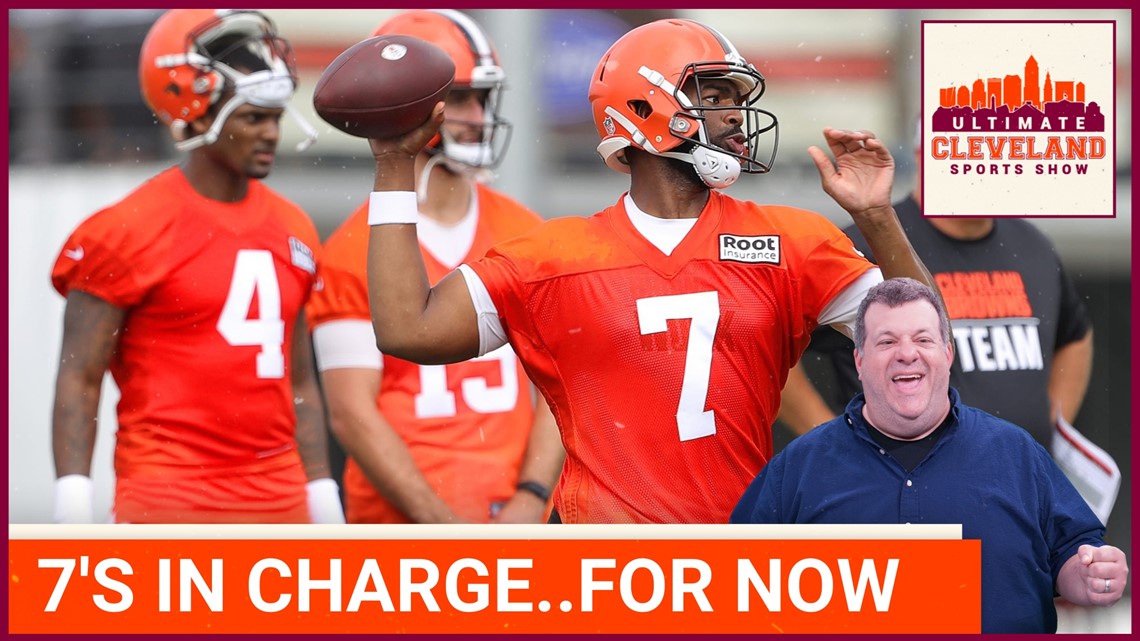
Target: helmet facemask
pixel 718 166
pixel 255 64
pixel 477 159
pixel 638 100
pixel 476 69
pixel 759 151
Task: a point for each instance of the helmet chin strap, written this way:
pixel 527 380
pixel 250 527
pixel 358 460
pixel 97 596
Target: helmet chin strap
pixel 467 158
pixel 309 131
pixel 467 155
pixel 715 168
pixel 476 174
pixel 425 176
pixel 210 136
pixel 472 154
pixel 270 88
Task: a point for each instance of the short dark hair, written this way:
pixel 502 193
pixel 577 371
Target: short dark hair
pixel 895 292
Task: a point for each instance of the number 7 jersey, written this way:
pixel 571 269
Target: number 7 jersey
pixel 211 291
pixel 664 372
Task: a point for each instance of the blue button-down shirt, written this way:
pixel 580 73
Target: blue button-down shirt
pixel 984 473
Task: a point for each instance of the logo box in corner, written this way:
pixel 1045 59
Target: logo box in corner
pixel 1019 118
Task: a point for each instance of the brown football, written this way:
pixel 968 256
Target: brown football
pixel 384 86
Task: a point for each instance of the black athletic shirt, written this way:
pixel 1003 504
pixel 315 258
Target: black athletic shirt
pixel 1011 306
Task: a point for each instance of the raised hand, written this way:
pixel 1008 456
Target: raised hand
pixel 860 178
pixel 411 143
pixel 396 157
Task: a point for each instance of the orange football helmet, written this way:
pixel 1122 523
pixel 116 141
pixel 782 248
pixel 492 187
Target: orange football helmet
pixel 476 67
pixel 637 99
pixel 190 56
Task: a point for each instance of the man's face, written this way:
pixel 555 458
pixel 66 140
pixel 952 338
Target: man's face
pixel 904 365
pixel 247 143
pixel 722 125
pixel 463 114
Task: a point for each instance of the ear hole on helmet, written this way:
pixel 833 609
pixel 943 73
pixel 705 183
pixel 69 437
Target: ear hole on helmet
pixel 640 107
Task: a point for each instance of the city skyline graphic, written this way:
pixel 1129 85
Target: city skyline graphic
pixel 1017 103
pixel 1019 118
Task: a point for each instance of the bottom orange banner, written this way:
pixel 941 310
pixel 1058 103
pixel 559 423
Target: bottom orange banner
pixel 188 581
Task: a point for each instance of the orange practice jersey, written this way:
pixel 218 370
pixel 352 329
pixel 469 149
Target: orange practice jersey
pixel 212 292
pixel 466 424
pixel 664 372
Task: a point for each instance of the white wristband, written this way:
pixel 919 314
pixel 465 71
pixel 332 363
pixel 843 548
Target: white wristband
pixel 73 499
pixel 392 207
pixel 324 501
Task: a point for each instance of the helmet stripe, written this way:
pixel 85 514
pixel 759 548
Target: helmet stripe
pixel 730 51
pixel 478 41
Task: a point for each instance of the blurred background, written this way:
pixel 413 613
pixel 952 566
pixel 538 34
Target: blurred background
pixel 80 138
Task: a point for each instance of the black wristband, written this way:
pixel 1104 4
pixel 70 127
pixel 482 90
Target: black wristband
pixel 535 488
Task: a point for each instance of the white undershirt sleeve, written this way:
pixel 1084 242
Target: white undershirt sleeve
pixel 492 336
pixel 346 344
pixel 840 311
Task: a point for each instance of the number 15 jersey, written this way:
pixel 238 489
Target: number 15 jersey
pixel 466 424
pixel 664 372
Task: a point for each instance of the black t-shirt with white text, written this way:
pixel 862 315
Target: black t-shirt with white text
pixel 1011 306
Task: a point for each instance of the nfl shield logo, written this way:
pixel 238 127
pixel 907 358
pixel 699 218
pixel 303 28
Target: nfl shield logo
pixel 608 123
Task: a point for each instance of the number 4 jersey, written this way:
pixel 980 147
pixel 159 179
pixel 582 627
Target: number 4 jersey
pixel 212 291
pixel 664 371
